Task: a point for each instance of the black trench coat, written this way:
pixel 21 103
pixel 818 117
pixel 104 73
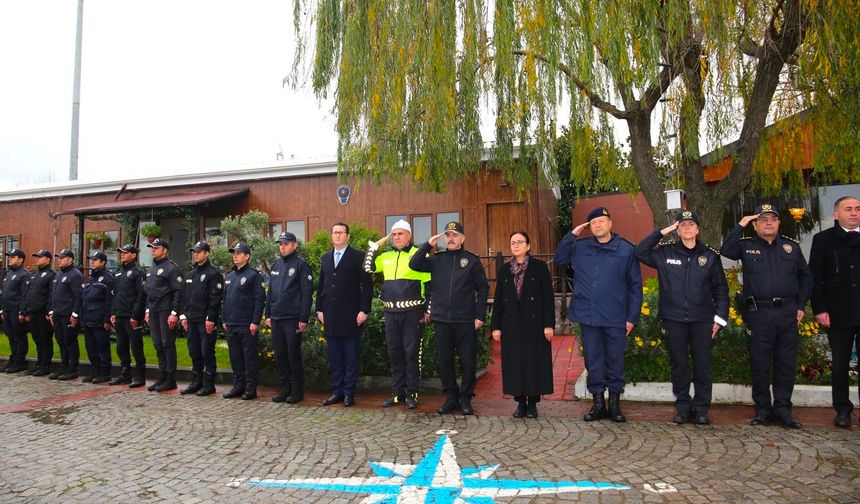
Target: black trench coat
pixel 526 354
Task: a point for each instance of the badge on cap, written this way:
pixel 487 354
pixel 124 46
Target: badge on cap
pixel 767 208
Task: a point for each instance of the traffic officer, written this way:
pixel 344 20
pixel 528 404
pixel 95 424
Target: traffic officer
pixel 403 303
pixel 129 305
pixel 288 306
pixel 64 309
pixel 34 310
pixel 777 283
pixel 95 317
pixel 458 308
pixel 694 305
pixel 835 264
pixel 244 299
pixel 204 288
pixel 607 299
pixel 10 306
pixel 164 301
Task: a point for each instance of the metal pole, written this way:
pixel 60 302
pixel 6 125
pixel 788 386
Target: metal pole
pixel 76 98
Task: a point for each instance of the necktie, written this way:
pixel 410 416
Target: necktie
pixel 337 258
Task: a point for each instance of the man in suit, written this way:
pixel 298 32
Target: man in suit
pixel 344 293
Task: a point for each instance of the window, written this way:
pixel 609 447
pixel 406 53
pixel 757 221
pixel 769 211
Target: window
pixel 212 232
pixel 390 220
pixel 8 243
pixel 443 218
pixel 297 227
pixel 421 227
pixel 73 244
pixel 275 229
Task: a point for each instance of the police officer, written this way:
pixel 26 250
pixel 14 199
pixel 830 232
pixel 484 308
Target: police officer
pixel 95 317
pixel 607 299
pixel 10 306
pixel 129 305
pixel 835 264
pixel 777 285
pixel 403 303
pixel 458 307
pixel 244 299
pixel 204 287
pixel 694 305
pixel 288 307
pixel 164 301
pixel 63 310
pixel 34 310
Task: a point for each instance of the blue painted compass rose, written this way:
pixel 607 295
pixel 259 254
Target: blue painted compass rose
pixel 436 478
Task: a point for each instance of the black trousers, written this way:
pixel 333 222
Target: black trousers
pixel 842 342
pixel 772 343
pixel 67 340
pixel 97 343
pixel 243 358
pixel 43 334
pixel 17 333
pixel 287 344
pixel 403 337
pixel 685 339
pixel 164 341
pixel 452 337
pixel 201 347
pixel 129 338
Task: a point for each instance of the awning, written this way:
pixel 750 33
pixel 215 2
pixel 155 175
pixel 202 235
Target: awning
pixel 173 200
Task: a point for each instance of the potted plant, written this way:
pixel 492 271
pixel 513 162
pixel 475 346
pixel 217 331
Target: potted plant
pixel 151 231
pixel 97 239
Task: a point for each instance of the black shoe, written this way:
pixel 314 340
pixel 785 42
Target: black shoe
pixel 32 370
pixel 335 398
pixel 208 387
pixel 295 397
pixel 71 375
pixel 393 400
pixel 615 408
pixel 466 406
pixel 247 396
pixel 348 400
pixel 282 395
pixel 56 375
pixel 120 380
pixel 702 419
pixel 88 379
pixel 41 371
pixel 101 379
pixel 450 405
pixel 14 368
pixel 842 420
pixel 531 409
pixel 790 423
pixel 521 410
pixel 157 383
pixel 411 401
pixel 682 418
pixel 233 393
pixel 760 419
pixel 192 388
pixel 169 384
pixel 598 409
pixel 137 382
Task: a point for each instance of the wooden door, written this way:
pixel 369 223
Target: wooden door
pixel 502 220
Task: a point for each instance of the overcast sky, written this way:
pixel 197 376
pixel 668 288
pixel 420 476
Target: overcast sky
pixel 167 86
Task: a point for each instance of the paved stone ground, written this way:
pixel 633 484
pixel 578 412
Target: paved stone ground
pixel 73 442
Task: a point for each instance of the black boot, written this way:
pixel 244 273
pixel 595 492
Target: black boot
pixel 297 395
pixel 169 383
pixel 208 385
pixel 123 378
pixel 521 409
pixel 531 407
pixel 615 407
pixel 195 385
pixel 139 379
pixel 161 377
pixel 598 409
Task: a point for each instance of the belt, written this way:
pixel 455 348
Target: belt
pixel 776 301
pixel 402 304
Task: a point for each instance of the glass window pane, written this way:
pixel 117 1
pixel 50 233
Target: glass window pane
pixel 297 227
pixel 111 245
pixel 212 232
pixel 390 220
pixel 420 229
pixel 444 218
pixel 275 229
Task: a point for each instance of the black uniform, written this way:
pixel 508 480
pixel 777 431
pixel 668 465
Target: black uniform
pixel 204 287
pixel 10 306
pixel 95 318
pixel 457 299
pixel 835 264
pixel 129 303
pixel 35 306
pixel 777 283
pixel 244 299
pixel 66 303
pixel 164 298
pixel 693 296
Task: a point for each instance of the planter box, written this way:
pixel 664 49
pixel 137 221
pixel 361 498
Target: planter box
pixel 817 396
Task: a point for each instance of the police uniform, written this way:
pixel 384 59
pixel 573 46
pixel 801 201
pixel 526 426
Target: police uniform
pixel 204 288
pixel 458 299
pixel 607 293
pixel 35 308
pixel 129 303
pixel 244 300
pixel 65 304
pixel 163 298
pixel 403 304
pixel 776 284
pixel 694 296
pixel 10 306
pixel 95 318
pixel 289 301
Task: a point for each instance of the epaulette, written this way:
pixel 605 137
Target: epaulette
pixel 747 238
pixel 711 248
pixel 472 254
pixel 789 239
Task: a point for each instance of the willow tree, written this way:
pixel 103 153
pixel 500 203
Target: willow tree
pixel 669 78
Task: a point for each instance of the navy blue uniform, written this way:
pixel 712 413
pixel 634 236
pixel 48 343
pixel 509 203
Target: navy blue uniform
pixel 10 306
pixel 204 288
pixel 65 303
pixel 164 298
pixel 291 290
pixel 35 307
pixel 96 306
pixel 777 283
pixel 244 299
pixel 129 303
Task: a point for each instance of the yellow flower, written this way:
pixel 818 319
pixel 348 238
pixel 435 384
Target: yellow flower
pixel 639 342
pixel 321 339
pixel 653 343
pixel 645 289
pixel 646 310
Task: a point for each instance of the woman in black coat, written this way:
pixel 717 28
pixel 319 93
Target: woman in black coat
pixel 524 321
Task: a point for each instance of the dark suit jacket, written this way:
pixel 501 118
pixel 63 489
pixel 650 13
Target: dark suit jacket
pixel 835 263
pixel 342 292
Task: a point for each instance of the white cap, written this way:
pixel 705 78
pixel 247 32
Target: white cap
pixel 401 224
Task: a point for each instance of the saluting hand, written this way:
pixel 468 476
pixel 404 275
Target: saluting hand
pixel 747 219
pixel 382 240
pixel 578 229
pixel 668 229
pixel 434 239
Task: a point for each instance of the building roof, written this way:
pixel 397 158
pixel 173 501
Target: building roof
pixel 186 199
